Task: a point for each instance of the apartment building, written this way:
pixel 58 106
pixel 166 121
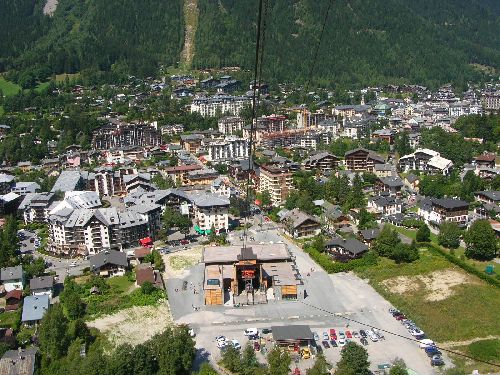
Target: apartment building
pixel 117 134
pixel 437 211
pixel 425 160
pixel 361 159
pixel 226 150
pixel 192 142
pixel 231 125
pixel 323 162
pixel 219 104
pixel 82 232
pixel 211 211
pixel 277 181
pixel 491 100
pixel 179 173
pixel 35 207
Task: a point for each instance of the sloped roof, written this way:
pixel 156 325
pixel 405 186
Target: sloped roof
pixel 113 257
pixel 34 307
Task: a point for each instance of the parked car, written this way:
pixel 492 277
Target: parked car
pixel 73 264
pixel 220 338
pixel 355 334
pixel 425 343
pixel 348 334
pixel 305 353
pixel 256 346
pixel 364 341
pixel 253 337
pixel 325 344
pixel 342 341
pixel 379 334
pixel 333 343
pixel 251 332
pixel 333 334
pixel 315 336
pixel 326 336
pixel 417 333
pixel 362 333
pixel 437 362
pixel 236 344
pixel 432 350
pixel 221 344
pixel 191 332
pixel 341 335
pixel 372 335
pixel 265 331
pixel 184 285
pixel 184 242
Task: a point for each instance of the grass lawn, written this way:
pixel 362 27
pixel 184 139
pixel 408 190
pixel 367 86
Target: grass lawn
pixel 10 319
pixel 470 311
pixel 42 86
pixel 485 350
pixel 120 284
pixel 8 88
pixel 71 77
pixel 2 110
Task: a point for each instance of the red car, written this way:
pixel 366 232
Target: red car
pixel 333 334
pixel 184 242
pixel 400 317
pixel 348 334
pixel 256 346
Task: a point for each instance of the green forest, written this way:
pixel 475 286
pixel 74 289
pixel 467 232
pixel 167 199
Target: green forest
pixel 365 42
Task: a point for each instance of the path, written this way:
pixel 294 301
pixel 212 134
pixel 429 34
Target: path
pixel 191 13
pixel 454 344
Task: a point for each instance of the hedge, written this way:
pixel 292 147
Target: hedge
pixel 326 262
pixel 464 265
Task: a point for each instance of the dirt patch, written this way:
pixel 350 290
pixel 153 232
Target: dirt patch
pixel 134 325
pixel 50 7
pixel 438 285
pixel 178 263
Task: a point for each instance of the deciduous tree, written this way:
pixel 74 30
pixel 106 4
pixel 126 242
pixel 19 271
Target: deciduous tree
pixel 481 241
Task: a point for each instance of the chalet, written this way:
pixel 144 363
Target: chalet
pixel 323 161
pixel 299 224
pixel 43 285
pixel 13 299
pixel 145 272
pixel 109 263
pixel 412 181
pixel 332 216
pixel 179 173
pixel 12 278
pixel 361 159
pixel 391 185
pixel 387 135
pixel 345 249
pixel 488 196
pixel 425 160
pixel 19 362
pixel 437 211
pixel 383 170
pixel 384 205
pixel 485 161
pixel 369 235
pixel 191 142
pixel 34 308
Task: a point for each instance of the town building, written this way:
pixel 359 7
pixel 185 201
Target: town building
pixel 219 104
pixel 43 285
pixel 485 161
pixel 425 160
pixel 231 125
pixel 211 211
pixel 345 249
pixel 34 309
pixel 109 263
pixel 278 181
pixel 384 205
pixel 246 275
pixel 23 188
pixel 117 134
pixel 171 130
pixel 362 160
pixel 227 149
pixel 179 174
pixel 391 185
pixel 490 196
pixel 322 162
pixel 12 278
pixel 191 142
pixel 299 224
pixel 436 211
pixel 201 177
pixel 19 361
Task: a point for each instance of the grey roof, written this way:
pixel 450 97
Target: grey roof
pixel 34 308
pixel 370 234
pixel 351 245
pixel 209 200
pixel 292 333
pixel 43 282
pixel 11 273
pixel 494 195
pixel 298 217
pixel 6 178
pixel 383 167
pixel 130 177
pixel 384 200
pixel 144 208
pixel 113 257
pixel 68 180
pixel 18 362
pixel 392 181
pixel 26 184
pixel 411 178
pixel 450 203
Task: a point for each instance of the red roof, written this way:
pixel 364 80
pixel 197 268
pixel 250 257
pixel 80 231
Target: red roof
pixel 145 274
pixel 147 241
pixel 183 168
pixel 16 293
pixel 486 157
pixel 142 252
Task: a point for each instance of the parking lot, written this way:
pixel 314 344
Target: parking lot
pixel 332 301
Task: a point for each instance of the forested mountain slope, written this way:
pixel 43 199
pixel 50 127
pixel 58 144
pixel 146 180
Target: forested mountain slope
pixel 364 42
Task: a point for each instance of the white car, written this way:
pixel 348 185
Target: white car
pixel 416 332
pixel 221 339
pixel 372 335
pixel 72 264
pixel 236 344
pixel 221 344
pixel 191 333
pixel 251 332
pixel 341 342
pixel 426 343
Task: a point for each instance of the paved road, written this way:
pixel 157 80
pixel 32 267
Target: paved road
pixel 331 299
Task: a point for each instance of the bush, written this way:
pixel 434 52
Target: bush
pixel 413 223
pixel 326 262
pixel 423 233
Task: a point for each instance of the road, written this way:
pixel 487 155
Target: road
pixel 62 267
pixel 332 302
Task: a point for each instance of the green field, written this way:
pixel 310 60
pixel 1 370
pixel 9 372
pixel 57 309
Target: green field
pixel 470 311
pixel 8 88
pixel 71 77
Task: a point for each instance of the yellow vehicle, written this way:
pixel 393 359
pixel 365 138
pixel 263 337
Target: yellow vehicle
pixel 306 353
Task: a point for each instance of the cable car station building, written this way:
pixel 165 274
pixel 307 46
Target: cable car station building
pixel 250 275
